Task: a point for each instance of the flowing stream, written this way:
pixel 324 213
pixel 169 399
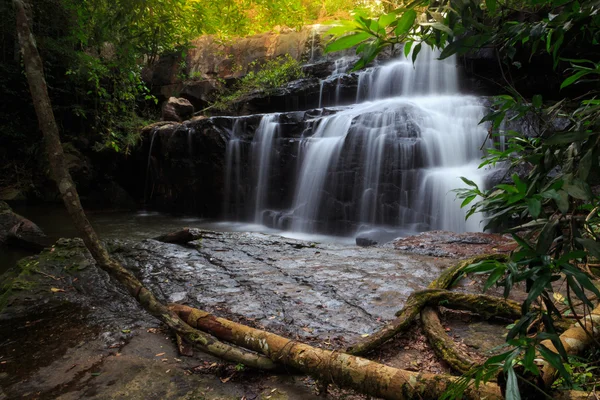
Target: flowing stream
pixel 390 160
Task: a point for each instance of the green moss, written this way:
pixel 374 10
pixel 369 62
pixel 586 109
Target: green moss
pixel 17 279
pixel 71 253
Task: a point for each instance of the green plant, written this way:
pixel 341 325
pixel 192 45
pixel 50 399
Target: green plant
pixel 268 76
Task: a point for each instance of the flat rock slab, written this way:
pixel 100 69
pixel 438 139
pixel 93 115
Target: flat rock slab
pixel 285 285
pixel 68 331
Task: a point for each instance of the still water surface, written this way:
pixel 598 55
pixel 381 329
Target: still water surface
pixel 138 225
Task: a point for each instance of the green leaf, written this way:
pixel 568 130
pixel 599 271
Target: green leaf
pixel 468 181
pixel 387 19
pixel 347 42
pixel 562 201
pixel 566 137
pixel 578 291
pixel 554 360
pixel 467 200
pixel 405 22
pixel 491 5
pixel 585 165
pixel 512 387
pixel 407 47
pixel 578 189
pixel 573 78
pixel 538 286
pixel 493 278
pixel 529 361
pixel 415 53
pixel 439 26
pixel 534 207
pixel 546 237
pixel 591 245
pixel 537 101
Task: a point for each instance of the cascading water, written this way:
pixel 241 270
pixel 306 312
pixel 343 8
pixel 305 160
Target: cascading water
pixel 233 177
pixel 392 159
pixel 262 151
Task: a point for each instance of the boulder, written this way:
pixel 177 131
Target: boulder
pixel 18 231
pixel 177 109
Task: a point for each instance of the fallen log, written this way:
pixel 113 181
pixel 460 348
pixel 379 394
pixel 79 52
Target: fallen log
pixel 345 370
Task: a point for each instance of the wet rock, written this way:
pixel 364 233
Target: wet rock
pixel 109 195
pixel 375 236
pixel 290 286
pixel 18 231
pixel 177 109
pixel 456 245
pixel 365 242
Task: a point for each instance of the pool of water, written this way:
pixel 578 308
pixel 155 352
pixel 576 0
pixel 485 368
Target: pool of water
pixel 56 223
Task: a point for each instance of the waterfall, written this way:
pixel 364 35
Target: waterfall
pixel 262 152
pixel 233 178
pixel 147 182
pixel 392 159
pixel 416 135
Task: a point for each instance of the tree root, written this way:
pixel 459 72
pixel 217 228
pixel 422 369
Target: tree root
pixel 420 302
pixel 576 339
pixel 344 370
pixel 486 306
pixel 442 345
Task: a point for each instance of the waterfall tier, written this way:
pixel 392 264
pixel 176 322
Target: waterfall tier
pixel 391 159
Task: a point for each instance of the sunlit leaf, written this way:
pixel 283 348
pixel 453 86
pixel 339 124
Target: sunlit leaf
pixel 347 42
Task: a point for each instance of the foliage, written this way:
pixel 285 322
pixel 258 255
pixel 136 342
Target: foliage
pixel 550 207
pixel 265 77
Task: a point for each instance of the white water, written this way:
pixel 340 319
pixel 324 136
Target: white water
pixel 392 159
pixel 424 95
pixel 262 151
pixel 233 179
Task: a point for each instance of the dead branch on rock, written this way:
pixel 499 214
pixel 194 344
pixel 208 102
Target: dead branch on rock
pixel 443 346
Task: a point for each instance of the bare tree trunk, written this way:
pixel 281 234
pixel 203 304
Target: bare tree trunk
pixel 60 173
pixel 343 369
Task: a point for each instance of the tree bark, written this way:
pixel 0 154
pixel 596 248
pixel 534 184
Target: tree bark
pixel 575 340
pixel 367 377
pixel 43 108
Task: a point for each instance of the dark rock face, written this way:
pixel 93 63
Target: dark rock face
pixel 177 109
pixel 192 168
pixel 180 167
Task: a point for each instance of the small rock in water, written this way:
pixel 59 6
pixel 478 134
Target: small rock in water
pixel 365 242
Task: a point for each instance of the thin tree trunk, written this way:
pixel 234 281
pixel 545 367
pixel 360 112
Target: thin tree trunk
pixel 43 108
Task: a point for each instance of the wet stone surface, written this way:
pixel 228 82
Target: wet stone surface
pixel 68 331
pixel 302 288
pixel 456 245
